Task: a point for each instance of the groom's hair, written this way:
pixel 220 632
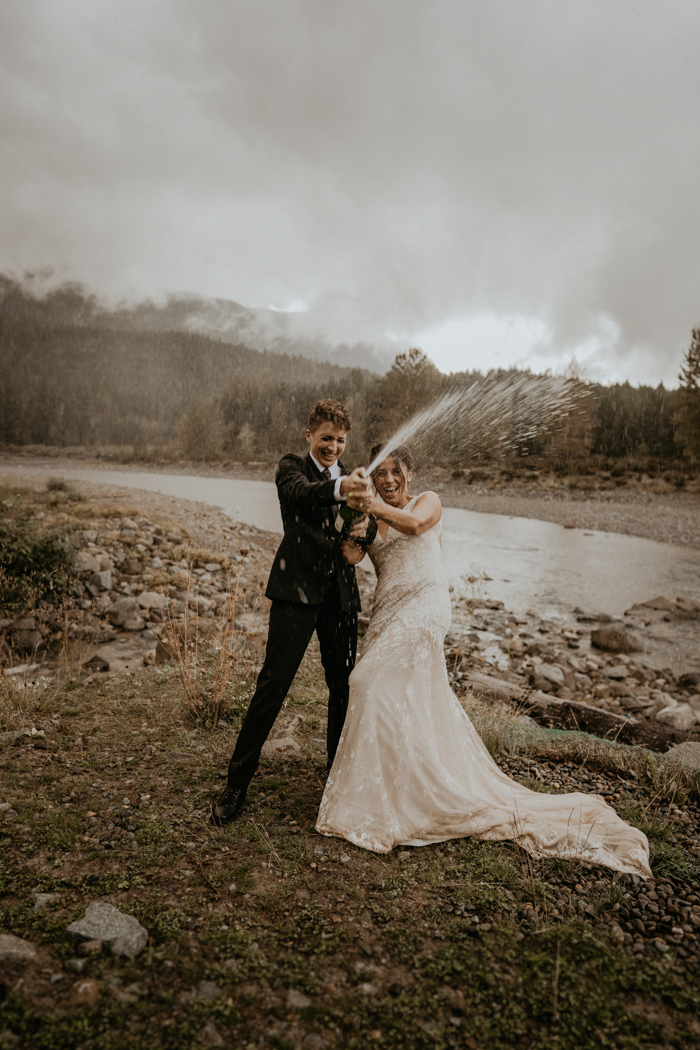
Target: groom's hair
pixel 330 411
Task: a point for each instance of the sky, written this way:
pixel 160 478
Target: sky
pixel 500 183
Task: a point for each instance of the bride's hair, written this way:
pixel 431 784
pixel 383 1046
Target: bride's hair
pixel 402 454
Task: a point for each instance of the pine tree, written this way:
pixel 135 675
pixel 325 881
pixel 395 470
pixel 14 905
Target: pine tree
pixel 688 415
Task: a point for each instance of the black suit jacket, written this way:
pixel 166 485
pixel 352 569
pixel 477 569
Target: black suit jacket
pixel 310 553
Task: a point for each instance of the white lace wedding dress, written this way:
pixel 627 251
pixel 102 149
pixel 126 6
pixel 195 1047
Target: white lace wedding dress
pixel 411 769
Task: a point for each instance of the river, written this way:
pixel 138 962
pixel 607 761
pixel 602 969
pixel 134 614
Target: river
pixel 531 564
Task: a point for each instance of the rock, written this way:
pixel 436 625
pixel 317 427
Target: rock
pixel 617 672
pixel 211 1036
pixel 615 640
pixel 688 754
pixel 85 994
pixel 660 604
pixel 131 566
pixel 103 922
pixel 86 562
pixel 100 581
pixel 208 990
pixel 198 602
pixel 551 673
pixel 127 653
pixel 619 689
pixel 296 1000
pixel 124 612
pixel 152 600
pixel 212 566
pixel 588 617
pixel 282 747
pixel 15 951
pixel 25 637
pixel 96 664
pixel 127 523
pixel 583 680
pixel 90 948
pixel 689 679
pixel 42 899
pixel 680 716
pixel 75 965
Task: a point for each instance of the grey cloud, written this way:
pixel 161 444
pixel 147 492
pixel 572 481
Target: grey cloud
pixel 392 164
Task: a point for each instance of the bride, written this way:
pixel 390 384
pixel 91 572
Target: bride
pixel 410 767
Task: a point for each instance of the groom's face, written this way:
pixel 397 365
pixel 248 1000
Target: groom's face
pixel 327 442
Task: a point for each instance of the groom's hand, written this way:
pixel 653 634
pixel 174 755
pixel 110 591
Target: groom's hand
pixel 359 530
pixel 355 484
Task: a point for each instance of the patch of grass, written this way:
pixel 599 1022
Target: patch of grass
pixel 669 860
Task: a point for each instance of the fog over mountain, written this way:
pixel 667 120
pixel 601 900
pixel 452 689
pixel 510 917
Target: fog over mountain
pixel 500 183
pixel 279 331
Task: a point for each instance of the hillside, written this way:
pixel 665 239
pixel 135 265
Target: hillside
pixel 72 375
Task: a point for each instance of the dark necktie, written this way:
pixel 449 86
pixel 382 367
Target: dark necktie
pixel 327 475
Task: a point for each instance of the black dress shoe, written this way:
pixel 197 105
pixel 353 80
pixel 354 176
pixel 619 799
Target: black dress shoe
pixel 228 806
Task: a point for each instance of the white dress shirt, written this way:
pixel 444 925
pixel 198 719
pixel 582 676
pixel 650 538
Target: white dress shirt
pixel 335 474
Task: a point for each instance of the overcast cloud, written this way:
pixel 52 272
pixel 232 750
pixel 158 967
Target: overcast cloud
pixel 500 182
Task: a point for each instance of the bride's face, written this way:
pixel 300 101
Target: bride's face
pixel 390 480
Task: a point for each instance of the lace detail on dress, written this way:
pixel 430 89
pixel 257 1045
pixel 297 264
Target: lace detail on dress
pixel 411 769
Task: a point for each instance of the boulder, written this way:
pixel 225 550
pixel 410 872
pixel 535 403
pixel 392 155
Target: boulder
pixel 103 922
pixel 680 716
pixel 127 653
pixel 551 673
pixel 25 637
pixel 124 612
pixel 616 673
pixel 615 640
pixel 15 951
pixel 152 600
pixel 199 602
pixel 688 606
pixel 100 581
pixel 688 754
pixel 691 678
pixel 282 747
pixel 86 562
pixel 661 604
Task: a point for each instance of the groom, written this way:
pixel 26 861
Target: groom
pixel 312 588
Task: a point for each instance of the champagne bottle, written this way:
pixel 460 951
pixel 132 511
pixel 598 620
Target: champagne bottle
pixel 346 519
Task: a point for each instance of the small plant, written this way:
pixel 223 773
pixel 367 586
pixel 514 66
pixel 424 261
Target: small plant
pixel 62 491
pixel 35 563
pixel 207 676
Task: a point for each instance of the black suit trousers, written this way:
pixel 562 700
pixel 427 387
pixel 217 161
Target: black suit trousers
pixel 292 625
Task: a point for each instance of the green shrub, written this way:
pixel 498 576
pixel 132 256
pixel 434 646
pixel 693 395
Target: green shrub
pixel 34 563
